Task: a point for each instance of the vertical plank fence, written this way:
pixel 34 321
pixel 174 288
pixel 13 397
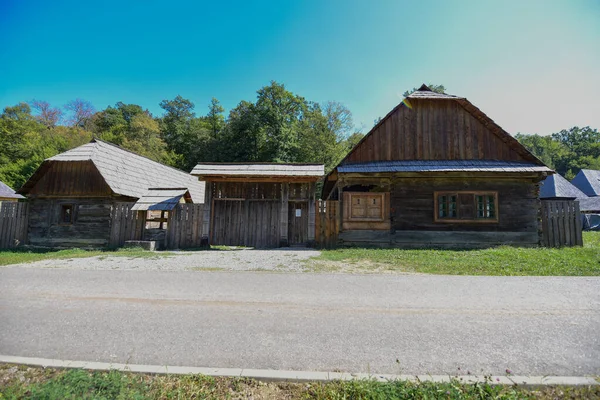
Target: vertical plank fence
pixel 327 227
pixel 126 224
pixel 13 224
pixel 561 223
pixel 184 226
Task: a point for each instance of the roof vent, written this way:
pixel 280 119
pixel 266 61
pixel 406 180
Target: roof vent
pixel 424 88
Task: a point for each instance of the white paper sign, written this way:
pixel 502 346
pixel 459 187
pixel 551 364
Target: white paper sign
pixel 298 212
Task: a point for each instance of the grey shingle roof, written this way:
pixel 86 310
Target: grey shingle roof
pixel 263 169
pixel 589 204
pixel 160 199
pixel 588 181
pixel 557 186
pixel 130 174
pixel 442 166
pixel 7 193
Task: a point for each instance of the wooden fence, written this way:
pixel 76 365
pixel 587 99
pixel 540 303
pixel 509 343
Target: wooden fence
pixel 184 226
pixel 561 223
pixel 13 224
pixel 126 224
pixel 327 223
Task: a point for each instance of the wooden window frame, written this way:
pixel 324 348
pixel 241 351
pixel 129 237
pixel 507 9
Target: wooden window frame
pixel 380 195
pixel 457 219
pixel 61 214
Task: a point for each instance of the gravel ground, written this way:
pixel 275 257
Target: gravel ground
pixel 232 260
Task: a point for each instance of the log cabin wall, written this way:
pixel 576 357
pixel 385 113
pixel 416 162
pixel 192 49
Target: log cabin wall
pixel 413 204
pixel 412 211
pixel 90 225
pixel 434 130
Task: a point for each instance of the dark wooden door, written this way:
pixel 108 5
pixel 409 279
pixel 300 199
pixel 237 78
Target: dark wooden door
pixel 297 223
pixel 252 223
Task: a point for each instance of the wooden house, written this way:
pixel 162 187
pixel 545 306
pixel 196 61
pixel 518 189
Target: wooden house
pixel 259 205
pixel 437 172
pixel 73 194
pixel 8 194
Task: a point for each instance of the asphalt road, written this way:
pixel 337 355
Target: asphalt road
pixel 358 323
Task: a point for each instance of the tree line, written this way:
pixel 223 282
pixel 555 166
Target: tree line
pixel 279 126
pixel 567 151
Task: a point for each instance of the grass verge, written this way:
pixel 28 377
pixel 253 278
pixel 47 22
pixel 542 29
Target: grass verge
pixel 20 382
pixel 27 255
pixel 508 261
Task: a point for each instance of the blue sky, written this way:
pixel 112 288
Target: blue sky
pixel 532 66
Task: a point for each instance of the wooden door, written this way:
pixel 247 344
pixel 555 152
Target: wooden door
pixel 297 222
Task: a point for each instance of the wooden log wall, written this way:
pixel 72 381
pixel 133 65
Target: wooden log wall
pixel 13 224
pixel 561 223
pixel 126 224
pixel 91 226
pixel 413 205
pixel 434 130
pixel 184 226
pixel 327 227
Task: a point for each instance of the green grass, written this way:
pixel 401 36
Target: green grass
pixel 18 382
pixel 569 261
pixel 27 255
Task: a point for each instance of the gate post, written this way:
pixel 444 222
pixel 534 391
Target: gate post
pixel 283 218
pixel 206 216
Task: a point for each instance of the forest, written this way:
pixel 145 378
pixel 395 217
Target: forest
pixel 278 126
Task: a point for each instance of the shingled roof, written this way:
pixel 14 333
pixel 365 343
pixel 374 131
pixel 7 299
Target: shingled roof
pixel 7 193
pixel 259 170
pixel 588 181
pixel 555 186
pixel 126 173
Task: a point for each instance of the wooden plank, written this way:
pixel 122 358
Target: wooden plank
pixel 578 227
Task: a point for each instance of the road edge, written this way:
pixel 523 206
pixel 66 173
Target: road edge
pixel 297 376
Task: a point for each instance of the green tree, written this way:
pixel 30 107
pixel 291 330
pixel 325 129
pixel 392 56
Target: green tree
pixel 215 117
pixel 279 111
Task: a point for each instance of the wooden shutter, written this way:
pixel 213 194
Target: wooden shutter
pixel 466 206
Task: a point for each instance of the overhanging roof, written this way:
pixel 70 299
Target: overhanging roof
pixel 7 193
pixel 442 166
pixel 258 170
pixel 162 199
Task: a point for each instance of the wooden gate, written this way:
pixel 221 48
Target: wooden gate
pixel 327 223
pixel 252 223
pixel 13 224
pixel 561 223
pixel 297 223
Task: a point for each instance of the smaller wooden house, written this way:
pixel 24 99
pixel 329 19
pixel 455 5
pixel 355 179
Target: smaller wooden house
pixel 77 198
pixel 259 205
pixel 8 194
